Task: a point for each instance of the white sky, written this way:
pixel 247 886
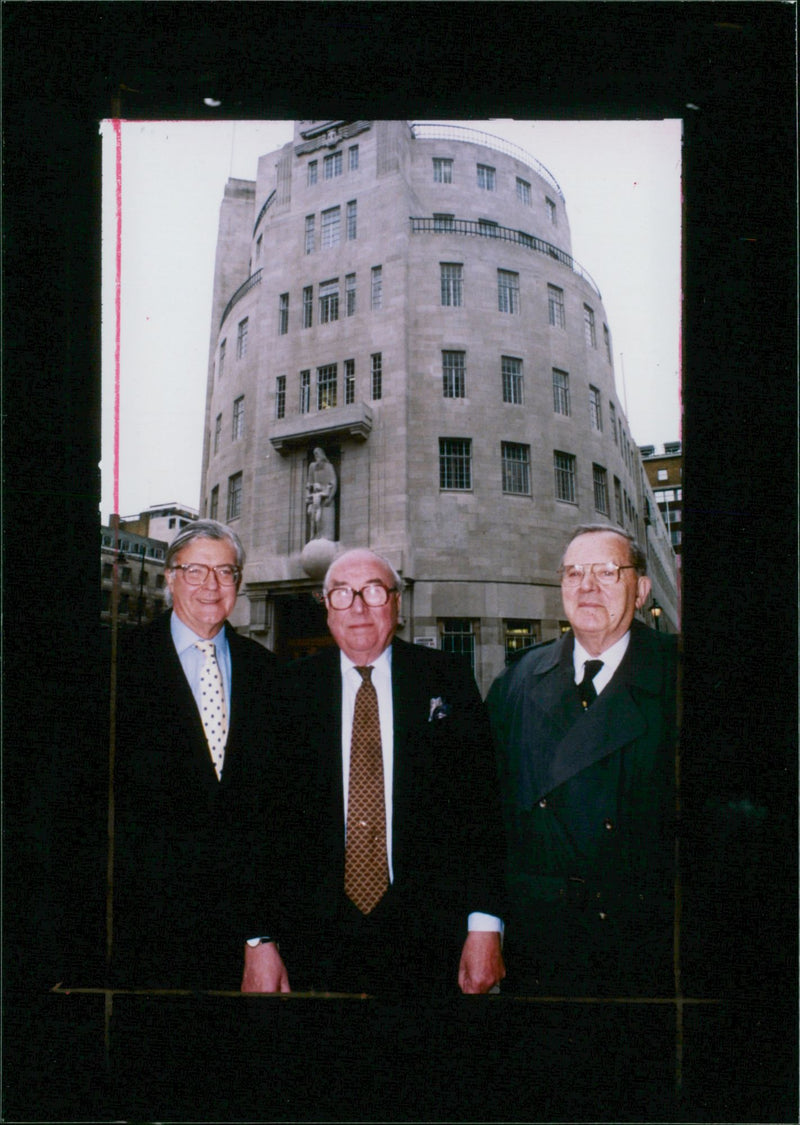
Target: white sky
pixel 621 182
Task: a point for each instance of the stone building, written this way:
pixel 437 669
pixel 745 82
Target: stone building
pixel 406 356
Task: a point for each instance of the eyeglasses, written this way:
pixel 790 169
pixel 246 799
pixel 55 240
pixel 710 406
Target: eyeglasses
pixel 373 595
pixel 607 574
pixel 197 573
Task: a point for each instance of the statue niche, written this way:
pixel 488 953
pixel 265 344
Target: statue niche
pixel 321 490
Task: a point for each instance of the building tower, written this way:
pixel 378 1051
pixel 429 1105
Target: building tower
pixel 405 355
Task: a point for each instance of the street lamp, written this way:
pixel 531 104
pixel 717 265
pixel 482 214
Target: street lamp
pixel 656 611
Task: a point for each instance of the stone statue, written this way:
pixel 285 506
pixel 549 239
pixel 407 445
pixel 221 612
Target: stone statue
pixel 321 485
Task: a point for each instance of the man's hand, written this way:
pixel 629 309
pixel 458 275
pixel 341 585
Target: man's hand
pixel 481 965
pixel 264 970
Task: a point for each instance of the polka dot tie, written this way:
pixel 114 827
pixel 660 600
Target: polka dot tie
pixel 366 869
pixel 586 688
pixel 212 705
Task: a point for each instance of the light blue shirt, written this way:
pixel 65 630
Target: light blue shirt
pixel 192 659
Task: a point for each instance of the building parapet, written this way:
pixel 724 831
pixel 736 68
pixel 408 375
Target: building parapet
pixel 353 421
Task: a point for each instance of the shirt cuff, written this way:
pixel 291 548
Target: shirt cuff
pixel 485 922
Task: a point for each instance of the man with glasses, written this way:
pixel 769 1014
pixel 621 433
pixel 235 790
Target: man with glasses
pixel 586 733
pixel 195 702
pixel 392 837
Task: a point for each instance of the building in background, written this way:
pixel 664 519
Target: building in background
pixel 160 521
pixel 665 476
pixel 405 355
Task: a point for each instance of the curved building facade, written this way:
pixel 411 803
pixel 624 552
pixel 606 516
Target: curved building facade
pixel 397 305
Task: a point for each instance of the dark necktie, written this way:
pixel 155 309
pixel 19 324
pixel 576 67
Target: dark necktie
pixel 586 689
pixel 366 869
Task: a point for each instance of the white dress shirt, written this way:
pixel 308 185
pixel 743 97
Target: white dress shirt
pixel 612 658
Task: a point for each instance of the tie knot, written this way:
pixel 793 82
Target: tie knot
pixel 206 647
pixel 365 673
pixel 591 668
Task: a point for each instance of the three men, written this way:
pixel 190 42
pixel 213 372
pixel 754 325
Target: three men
pixel 586 732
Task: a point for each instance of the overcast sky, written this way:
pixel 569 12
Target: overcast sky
pixel 621 183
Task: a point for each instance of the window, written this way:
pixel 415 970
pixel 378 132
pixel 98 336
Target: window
pixel 551 210
pixel 453 374
pixel 512 379
pixel 283 314
pixel 259 247
pixel 451 283
pixel 507 291
pixel 377 375
pixel 519 636
pixel 305 392
pixel 564 464
pixel 486 177
pixel 458 637
pixel 329 301
pixel 516 468
pixel 600 482
pixel 234 496
pixel 376 289
pixel 332 165
pixel 213 507
pixel 443 222
pixel 488 228
pixel 221 362
pixel 312 172
pixel 612 417
pixel 241 339
pixel 662 474
pixel 349 381
pixel 280 396
pixel 523 191
pixel 352 158
pixel 238 418
pixel 442 170
pixel 310 236
pixel 351 219
pixel 455 463
pixel 561 392
pixel 108 570
pixel 330 227
pixel 555 306
pixel 595 410
pixel 607 342
pixel 326 386
pixel 588 327
pixel 350 294
pixel 308 306
pixel 217 432
pixel 618 499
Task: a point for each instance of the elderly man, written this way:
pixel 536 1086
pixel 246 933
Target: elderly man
pixel 392 836
pixel 194 709
pixel 586 733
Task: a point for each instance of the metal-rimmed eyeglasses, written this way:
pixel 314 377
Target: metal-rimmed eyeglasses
pixel 197 573
pixel 374 595
pixel 606 574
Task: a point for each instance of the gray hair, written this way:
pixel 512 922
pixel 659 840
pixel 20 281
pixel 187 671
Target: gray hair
pixel 205 529
pixel 397 581
pixel 637 556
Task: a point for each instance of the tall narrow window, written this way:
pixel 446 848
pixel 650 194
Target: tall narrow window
pixel 551 210
pixel 326 386
pixel 350 294
pixel 310 236
pixel 259 247
pixel 523 191
pixel 519 636
pixel 453 374
pixel 516 461
pixel 221 361
pixel 564 465
pixel 283 314
pixel 486 177
pixel 351 220
pixel 595 410
pixel 329 301
pixel 330 227
pixel 512 379
pixel 442 222
pixel 507 291
pixel 376 292
pixel 349 381
pixel 241 339
pixel 452 283
pixel 238 418
pixel 555 306
pixel 308 306
pixel 332 165
pixel 352 158
pixel 217 432
pixel 442 170
pixel 612 417
pixel 305 392
pixel 600 482
pixel 458 638
pixel 455 464
pixel 618 501
pixel 280 397
pixel 607 342
pixel 213 507
pixel 312 172
pixel 234 496
pixel 488 228
pixel 377 375
pixel 589 332
pixel 561 392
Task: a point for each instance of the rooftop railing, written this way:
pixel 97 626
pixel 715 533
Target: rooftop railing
pixel 427 131
pixel 480 229
pixel 252 280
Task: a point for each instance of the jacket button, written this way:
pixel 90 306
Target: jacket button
pixel 609 825
pixel 543 803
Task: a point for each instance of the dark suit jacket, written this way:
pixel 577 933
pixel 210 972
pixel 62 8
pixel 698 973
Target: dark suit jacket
pixel 588 803
pixel 183 841
pixel 446 827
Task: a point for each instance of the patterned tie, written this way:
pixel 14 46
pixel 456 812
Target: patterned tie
pixel 212 705
pixel 366 869
pixel 586 688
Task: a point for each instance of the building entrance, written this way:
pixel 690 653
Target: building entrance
pixel 301 628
